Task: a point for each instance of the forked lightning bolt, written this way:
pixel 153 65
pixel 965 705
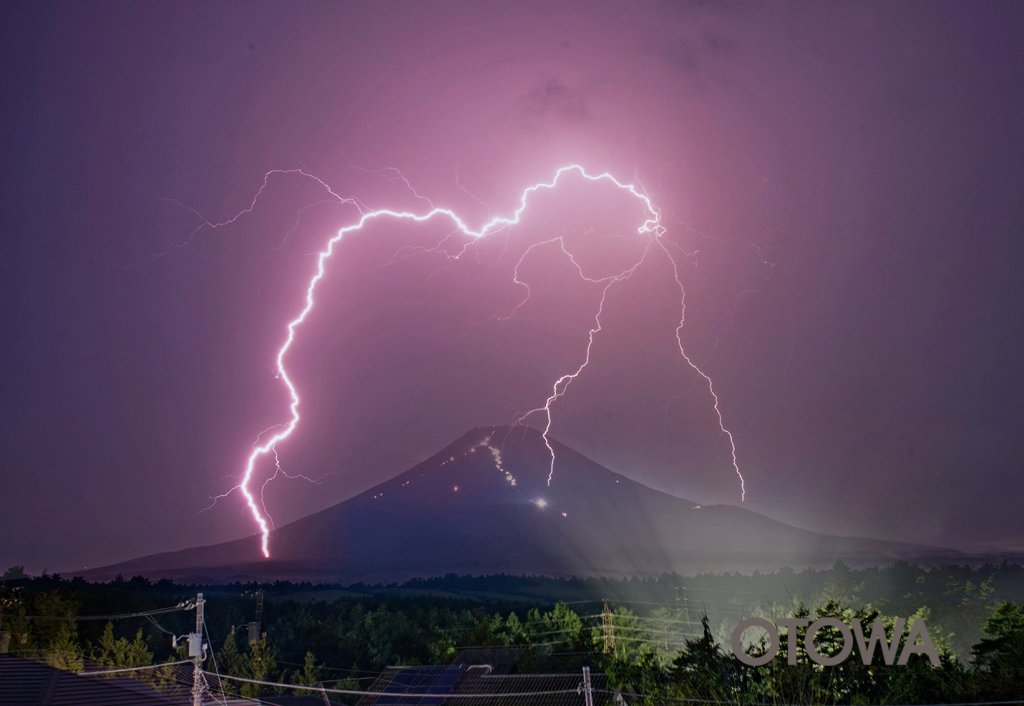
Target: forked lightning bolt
pixel 266 442
pixel 561 385
pixel 700 371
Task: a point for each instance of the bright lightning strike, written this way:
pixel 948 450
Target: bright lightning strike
pixel 205 223
pixel 278 471
pixel 650 226
pixel 561 385
pixel 700 371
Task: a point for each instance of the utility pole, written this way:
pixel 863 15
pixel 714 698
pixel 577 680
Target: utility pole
pixel 682 606
pixel 588 690
pixel 607 628
pixel 195 651
pixel 259 613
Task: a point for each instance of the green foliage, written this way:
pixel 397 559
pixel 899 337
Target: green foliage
pixel 1000 656
pixel 261 666
pixel 309 675
pixel 514 631
pixel 120 653
pixel 229 659
pixel 703 670
pixel 165 678
pixel 64 651
pixel 13 573
pixel 652 653
pixel 559 628
pixel 639 672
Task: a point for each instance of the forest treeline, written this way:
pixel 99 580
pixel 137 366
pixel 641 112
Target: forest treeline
pixel 657 639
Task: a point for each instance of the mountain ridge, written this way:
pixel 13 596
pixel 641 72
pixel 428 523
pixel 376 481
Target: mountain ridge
pixel 482 505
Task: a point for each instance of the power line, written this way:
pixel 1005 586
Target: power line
pixel 324 667
pixel 656 642
pixel 132 669
pixel 158 626
pixel 762 703
pixel 679 621
pixel 116 616
pixel 403 695
pixel 216 669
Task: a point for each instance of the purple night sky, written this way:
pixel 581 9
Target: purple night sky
pixel 846 176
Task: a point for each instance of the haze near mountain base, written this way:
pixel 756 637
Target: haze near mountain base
pixel 482 506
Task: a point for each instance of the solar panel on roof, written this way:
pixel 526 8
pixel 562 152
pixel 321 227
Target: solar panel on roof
pixel 420 680
pixel 443 684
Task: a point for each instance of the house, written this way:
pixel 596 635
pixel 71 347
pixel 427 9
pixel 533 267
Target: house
pixel 25 682
pixel 487 677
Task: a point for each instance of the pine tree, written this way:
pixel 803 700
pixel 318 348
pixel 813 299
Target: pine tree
pixel 262 667
pixel 309 675
pixel 105 652
pixel 65 652
pixel 1000 657
pixel 137 652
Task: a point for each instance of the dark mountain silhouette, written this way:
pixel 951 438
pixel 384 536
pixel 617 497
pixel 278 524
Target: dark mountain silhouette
pixel 483 506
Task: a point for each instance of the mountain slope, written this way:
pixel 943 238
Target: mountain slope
pixel 483 506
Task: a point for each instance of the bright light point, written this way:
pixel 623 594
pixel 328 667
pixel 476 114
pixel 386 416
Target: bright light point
pixel 565 514
pixel 455 488
pixel 541 503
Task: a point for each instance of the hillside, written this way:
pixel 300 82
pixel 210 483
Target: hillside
pixel 482 506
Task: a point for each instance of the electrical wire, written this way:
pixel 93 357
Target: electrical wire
pixel 762 703
pixel 216 669
pixel 116 616
pixel 392 694
pixel 132 669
